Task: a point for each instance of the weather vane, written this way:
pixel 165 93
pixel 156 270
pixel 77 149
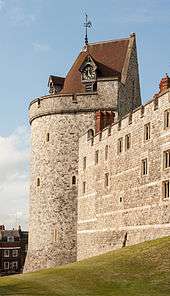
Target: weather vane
pixel 87 25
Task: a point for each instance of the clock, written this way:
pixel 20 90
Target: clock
pixel 88 73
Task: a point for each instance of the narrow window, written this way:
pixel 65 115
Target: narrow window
pixel 144 166
pixel 84 187
pixel 167 118
pixel 74 180
pixel 38 102
pixel 106 152
pixel 6 265
pixel 166 159
pixel 38 182
pixel 155 103
pixel 6 253
pixel 48 137
pixel 55 235
pixel 120 145
pixel 127 141
pixel 100 135
pixel 147 131
pixel 121 199
pixel 106 180
pixel 84 163
pixel 165 189
pixel 97 157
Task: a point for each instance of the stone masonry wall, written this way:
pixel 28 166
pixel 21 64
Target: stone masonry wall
pixel 57 122
pixel 129 87
pixel 131 209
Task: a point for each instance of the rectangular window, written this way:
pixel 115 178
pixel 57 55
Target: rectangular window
pixel 84 187
pixel 84 163
pixel 6 265
pixel 165 189
pixel 106 180
pixel 167 118
pixel 15 265
pixel 120 145
pixel 166 159
pixel 97 157
pixel 6 253
pixel 127 141
pixel 106 152
pixel 14 253
pixel 10 239
pixel 147 131
pixel 144 166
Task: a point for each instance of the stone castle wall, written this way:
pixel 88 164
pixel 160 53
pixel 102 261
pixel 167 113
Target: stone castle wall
pixel 131 209
pixel 57 123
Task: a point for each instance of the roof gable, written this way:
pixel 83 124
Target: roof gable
pixel 109 57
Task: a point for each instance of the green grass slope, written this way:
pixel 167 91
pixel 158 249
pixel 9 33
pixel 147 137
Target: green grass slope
pixel 140 270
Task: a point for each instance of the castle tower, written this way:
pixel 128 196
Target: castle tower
pixel 103 78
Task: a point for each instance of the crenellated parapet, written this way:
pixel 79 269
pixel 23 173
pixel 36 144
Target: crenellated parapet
pixel 69 104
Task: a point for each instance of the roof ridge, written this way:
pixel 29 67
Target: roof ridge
pixel 109 41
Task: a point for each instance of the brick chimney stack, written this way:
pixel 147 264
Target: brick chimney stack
pixel 165 83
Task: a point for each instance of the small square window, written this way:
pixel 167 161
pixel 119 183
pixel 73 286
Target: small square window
pixel 14 253
pixel 6 253
pixel 165 188
pixel 6 265
pixel 10 239
pixel 15 265
pixel 97 157
pixel 120 145
pixel 144 166
pixel 127 141
pixel 147 131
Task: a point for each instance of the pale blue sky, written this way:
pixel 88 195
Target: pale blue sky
pixel 39 38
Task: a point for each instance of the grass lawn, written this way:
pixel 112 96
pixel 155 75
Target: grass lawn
pixel 140 270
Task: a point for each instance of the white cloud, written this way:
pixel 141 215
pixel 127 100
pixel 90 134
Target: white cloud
pixel 14 183
pixel 40 47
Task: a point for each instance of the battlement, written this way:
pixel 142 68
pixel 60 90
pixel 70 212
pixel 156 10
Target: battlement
pixel 143 111
pixel 65 104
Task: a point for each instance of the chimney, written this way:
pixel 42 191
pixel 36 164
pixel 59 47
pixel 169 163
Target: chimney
pixel 165 83
pixel 99 121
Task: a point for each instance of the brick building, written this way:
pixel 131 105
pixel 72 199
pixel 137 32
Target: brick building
pixel 13 250
pixel 81 204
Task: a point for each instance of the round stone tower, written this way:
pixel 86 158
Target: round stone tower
pixel 56 124
pixel 57 121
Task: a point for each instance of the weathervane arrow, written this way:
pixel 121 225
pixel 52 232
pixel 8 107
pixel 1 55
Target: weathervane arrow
pixel 87 24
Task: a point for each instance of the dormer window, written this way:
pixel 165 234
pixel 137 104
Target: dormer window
pixel 88 74
pixel 10 239
pixel 55 84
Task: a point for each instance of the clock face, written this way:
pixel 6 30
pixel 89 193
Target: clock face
pixel 88 73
